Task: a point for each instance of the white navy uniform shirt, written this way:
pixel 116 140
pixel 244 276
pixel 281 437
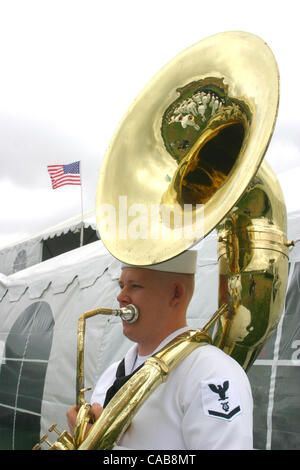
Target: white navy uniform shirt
pixel 205 404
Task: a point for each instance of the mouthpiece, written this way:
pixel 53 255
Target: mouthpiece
pixel 129 313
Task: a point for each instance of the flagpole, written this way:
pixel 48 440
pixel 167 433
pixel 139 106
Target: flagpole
pixel 82 225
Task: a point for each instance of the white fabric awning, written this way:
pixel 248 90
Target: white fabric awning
pixel 86 264
pixel 28 251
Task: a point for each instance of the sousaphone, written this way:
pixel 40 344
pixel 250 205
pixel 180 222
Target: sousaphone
pixel 186 159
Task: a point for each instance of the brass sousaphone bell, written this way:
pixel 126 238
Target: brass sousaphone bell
pixel 190 150
pixel 187 159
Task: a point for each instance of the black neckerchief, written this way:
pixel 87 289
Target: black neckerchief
pixel 120 380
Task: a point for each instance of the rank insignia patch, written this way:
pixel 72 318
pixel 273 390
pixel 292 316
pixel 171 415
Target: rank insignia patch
pixel 220 398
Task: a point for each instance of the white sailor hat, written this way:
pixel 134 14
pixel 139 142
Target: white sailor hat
pixel 185 263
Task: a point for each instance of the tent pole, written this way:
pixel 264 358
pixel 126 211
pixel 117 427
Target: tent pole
pixel 82 225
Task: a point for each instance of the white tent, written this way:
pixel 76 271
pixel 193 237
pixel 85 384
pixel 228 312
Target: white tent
pixel 39 310
pixel 51 242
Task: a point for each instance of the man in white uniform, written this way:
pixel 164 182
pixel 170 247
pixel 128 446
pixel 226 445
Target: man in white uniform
pixel 206 402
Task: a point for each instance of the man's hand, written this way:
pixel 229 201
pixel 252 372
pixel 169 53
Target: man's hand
pixel 95 412
pixel 71 417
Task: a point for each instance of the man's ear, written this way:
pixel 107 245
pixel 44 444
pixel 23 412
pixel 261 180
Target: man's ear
pixel 178 293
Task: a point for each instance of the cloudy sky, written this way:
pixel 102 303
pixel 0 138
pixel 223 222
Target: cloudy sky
pixel 71 68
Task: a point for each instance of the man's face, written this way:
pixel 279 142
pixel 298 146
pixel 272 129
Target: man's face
pixel 148 291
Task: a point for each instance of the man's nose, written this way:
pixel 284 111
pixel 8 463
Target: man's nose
pixel 123 297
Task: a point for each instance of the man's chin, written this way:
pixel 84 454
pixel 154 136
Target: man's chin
pixel 128 330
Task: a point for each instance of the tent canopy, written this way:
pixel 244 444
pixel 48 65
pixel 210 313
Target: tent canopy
pixel 58 239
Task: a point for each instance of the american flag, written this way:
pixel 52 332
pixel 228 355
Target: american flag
pixel 64 174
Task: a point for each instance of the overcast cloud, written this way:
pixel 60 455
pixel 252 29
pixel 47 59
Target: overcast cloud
pixel 70 69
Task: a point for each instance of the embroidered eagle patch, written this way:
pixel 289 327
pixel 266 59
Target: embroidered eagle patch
pixel 220 398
